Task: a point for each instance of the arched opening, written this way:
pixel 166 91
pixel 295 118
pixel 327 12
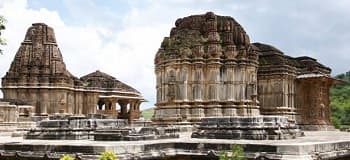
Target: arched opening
pixel 100 105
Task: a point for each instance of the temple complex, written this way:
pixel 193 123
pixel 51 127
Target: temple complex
pixel 209 68
pixel 38 77
pixel 214 88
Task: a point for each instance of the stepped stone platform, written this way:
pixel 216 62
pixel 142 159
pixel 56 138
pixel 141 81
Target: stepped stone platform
pixel 314 145
pixel 72 127
pixel 96 127
pixel 255 128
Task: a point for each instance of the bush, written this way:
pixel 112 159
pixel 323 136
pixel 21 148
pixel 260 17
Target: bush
pixel 237 153
pixel 66 157
pixel 336 122
pixel 108 155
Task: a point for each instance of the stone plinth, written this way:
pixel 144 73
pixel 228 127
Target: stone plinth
pixel 71 127
pixel 256 128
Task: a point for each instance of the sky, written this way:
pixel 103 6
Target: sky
pixel 121 37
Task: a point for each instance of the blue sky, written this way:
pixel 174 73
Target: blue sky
pixel 121 37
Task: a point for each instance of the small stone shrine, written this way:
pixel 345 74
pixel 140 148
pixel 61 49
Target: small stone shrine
pixel 15 117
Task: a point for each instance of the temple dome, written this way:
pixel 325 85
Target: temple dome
pixel 205 35
pixel 102 80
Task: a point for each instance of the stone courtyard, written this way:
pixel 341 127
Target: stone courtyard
pixel 315 145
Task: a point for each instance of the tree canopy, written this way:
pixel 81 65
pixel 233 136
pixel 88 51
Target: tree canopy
pixel 2 27
pixel 340 101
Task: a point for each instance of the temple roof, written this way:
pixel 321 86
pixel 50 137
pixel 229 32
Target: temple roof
pixel 265 48
pixel 271 56
pixel 102 80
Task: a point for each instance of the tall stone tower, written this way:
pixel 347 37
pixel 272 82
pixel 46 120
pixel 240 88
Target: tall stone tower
pixel 38 60
pixel 206 68
pixel 38 65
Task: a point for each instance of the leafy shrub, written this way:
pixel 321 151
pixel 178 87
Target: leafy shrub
pixel 108 155
pixel 237 153
pixel 66 157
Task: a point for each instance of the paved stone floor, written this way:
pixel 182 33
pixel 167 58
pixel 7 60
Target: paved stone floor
pixel 314 137
pixel 320 143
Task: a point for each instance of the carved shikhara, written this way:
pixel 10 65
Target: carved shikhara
pixel 204 69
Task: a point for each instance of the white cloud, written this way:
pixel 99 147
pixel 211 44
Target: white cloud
pixel 128 55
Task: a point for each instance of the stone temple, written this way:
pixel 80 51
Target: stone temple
pixel 208 67
pixel 39 77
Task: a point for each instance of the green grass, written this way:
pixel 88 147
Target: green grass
pixel 148 113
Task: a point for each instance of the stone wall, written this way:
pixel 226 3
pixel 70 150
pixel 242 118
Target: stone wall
pixel 313 102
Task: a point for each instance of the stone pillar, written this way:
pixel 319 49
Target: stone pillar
pixel 123 109
pixel 138 106
pixel 137 109
pixel 132 111
pixel 44 101
pixel 132 104
pixel 114 104
pixel 109 104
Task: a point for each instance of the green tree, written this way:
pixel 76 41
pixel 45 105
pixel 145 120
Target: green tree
pixel 66 157
pixel 237 153
pixel 108 155
pixel 340 102
pixel 2 27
